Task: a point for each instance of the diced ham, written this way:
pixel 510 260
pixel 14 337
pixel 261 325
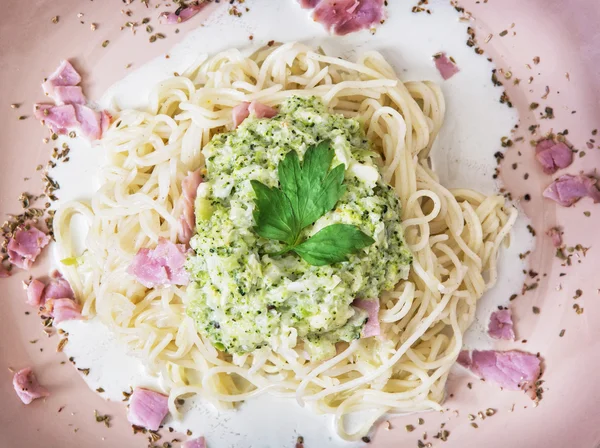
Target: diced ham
pixel 513 370
pixel 189 191
pixel 568 189
pixel 181 15
pixel 501 325
pixel 556 235
pixel 347 16
pixel 4 272
pixel 309 4
pixel 69 95
pixel 89 122
pixel 371 328
pixel 200 442
pixel 445 66
pixel 553 155
pixel 60 119
pixel 240 113
pixel 163 265
pixel 62 309
pixel 464 359
pixel 35 293
pixel 27 386
pixel 260 110
pixel 65 75
pixel 25 246
pixel 147 408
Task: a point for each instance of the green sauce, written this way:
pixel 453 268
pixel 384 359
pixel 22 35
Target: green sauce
pixel 241 298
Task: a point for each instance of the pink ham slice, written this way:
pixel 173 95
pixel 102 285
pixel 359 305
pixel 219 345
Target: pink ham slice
pixel 25 246
pixel 445 66
pixel 69 95
pixel 35 292
pixel 371 328
pixel 501 325
pixel 556 236
pixel 27 386
pixel 89 122
pixel 62 309
pixel 568 189
pixel 347 16
pixel 181 15
pixel 189 191
pixel 259 110
pixel 147 408
pixel 65 75
pixel 513 370
pixel 163 265
pixel 552 155
pixel 60 119
pixel 200 442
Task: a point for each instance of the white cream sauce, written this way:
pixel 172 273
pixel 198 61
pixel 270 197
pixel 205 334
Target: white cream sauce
pixel 462 156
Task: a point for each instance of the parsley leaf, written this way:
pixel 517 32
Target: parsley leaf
pixel 308 191
pixel 332 244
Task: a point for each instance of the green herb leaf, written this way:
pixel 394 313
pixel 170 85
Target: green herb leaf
pixel 308 191
pixel 333 244
pixel 313 190
pixel 273 215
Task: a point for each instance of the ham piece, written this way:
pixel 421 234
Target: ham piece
pixel 568 189
pixel 58 288
pixel 346 16
pixel 200 442
pixel 163 265
pixel 181 15
pixel 556 236
pixel 25 246
pixel 445 66
pixel 27 386
pixel 89 122
pixel 189 191
pixel 552 155
pixel 147 408
pixel 69 95
pixel 371 328
pixel 62 309
pixel 64 75
pixel 501 325
pixel 513 370
pixel 259 110
pixel 60 119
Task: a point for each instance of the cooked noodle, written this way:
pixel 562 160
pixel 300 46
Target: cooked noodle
pixel 454 235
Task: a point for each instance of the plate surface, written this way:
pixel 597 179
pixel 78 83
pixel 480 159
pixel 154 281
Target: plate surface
pixel 564 36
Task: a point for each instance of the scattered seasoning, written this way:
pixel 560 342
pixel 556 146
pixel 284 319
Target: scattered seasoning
pixel 102 418
pixel 489 412
pixel 587 214
pixel 536 60
pixel 105 43
pixel 366 439
pixel 562 333
pixel 536 310
pixel 22 117
pixel 474 425
pixel 61 344
pixel 410 428
pixel 86 371
pixel 471 417
pixel 531 229
pixel 93 26
pixel 55 19
pixel 15 106
pixel 549 113
pixel 421 421
pixel 100 390
pixel 578 294
pixel 503 33
pixel 152 38
pixel 470 385
pixel 534 106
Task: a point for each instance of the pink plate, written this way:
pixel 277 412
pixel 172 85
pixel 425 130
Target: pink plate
pixel 554 42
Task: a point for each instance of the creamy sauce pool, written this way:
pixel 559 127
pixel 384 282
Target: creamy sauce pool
pixel 463 157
